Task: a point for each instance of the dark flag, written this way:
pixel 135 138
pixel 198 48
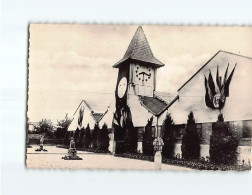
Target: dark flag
pixel 225 77
pixel 80 119
pixel 226 86
pixel 211 84
pixel 208 100
pixel 218 79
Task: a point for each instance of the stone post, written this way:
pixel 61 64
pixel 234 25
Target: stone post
pixel 158 146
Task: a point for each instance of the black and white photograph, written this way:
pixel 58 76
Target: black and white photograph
pixel 139 97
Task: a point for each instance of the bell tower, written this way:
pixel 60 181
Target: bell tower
pixel 136 77
pixel 139 66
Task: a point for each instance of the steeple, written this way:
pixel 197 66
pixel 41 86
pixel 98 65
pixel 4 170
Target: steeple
pixel 139 50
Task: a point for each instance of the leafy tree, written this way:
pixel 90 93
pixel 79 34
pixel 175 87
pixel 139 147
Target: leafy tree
pixel 148 138
pixel 45 126
pixel 94 135
pixel 130 139
pixel 223 144
pixel 168 137
pixel 87 137
pixel 191 140
pixel 62 127
pixel 103 138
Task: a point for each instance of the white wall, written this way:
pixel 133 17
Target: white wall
pixel 238 105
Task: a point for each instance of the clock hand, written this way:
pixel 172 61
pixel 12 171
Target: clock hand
pixel 144 73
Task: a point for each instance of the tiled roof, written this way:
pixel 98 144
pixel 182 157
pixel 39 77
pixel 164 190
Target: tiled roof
pixel 139 49
pixel 164 96
pixel 154 105
pixel 97 116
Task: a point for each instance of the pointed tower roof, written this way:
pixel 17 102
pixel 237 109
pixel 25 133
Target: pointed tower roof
pixel 139 49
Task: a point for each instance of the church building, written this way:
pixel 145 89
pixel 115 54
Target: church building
pixel 222 85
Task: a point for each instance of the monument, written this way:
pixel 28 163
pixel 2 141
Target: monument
pixel 41 146
pixel 72 152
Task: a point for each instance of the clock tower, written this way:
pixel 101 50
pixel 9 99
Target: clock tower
pixel 136 77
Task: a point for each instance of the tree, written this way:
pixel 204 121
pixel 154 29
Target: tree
pixel 45 126
pixel 76 137
pixel 80 139
pixel 148 138
pixel 94 135
pixel 62 127
pixel 67 138
pixel 168 137
pixel 223 144
pixel 191 141
pixel 103 138
pixel 87 137
pixel 130 139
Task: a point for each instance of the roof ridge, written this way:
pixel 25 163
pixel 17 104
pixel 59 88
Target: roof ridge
pixel 139 49
pixel 137 36
pixel 236 54
pixel 210 61
pixel 89 107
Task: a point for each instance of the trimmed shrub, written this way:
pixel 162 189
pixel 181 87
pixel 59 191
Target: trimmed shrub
pixel 80 141
pixel 94 135
pixel 87 137
pixel 191 141
pixel 130 139
pixel 66 138
pixel 148 138
pixel 103 138
pixel 168 137
pixel 76 137
pixel 223 144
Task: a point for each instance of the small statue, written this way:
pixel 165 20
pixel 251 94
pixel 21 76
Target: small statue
pixel 41 146
pixel 41 142
pixel 72 143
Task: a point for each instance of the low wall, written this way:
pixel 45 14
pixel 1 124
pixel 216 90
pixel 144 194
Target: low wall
pixel 47 141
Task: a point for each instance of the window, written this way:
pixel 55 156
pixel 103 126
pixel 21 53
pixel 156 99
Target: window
pixel 247 129
pixel 179 131
pixel 199 129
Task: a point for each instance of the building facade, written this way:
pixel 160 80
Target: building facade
pixel 236 107
pixel 222 85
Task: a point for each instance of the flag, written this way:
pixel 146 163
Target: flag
pixel 225 77
pixel 211 84
pixel 80 119
pixel 218 79
pixel 208 96
pixel 226 86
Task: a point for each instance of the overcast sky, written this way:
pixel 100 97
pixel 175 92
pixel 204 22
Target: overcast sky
pixel 68 63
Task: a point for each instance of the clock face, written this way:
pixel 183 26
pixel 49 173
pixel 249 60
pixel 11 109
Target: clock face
pixel 122 86
pixel 143 74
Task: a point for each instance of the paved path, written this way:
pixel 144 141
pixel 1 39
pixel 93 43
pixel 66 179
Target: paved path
pixel 52 159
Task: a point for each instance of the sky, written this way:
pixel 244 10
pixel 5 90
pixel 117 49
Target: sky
pixel 71 62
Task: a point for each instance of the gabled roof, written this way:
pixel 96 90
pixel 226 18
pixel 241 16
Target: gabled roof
pixel 210 61
pixel 98 109
pixel 139 49
pixel 97 116
pixel 153 105
pixel 164 96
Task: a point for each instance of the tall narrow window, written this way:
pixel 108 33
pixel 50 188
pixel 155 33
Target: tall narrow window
pixel 247 129
pixel 199 129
